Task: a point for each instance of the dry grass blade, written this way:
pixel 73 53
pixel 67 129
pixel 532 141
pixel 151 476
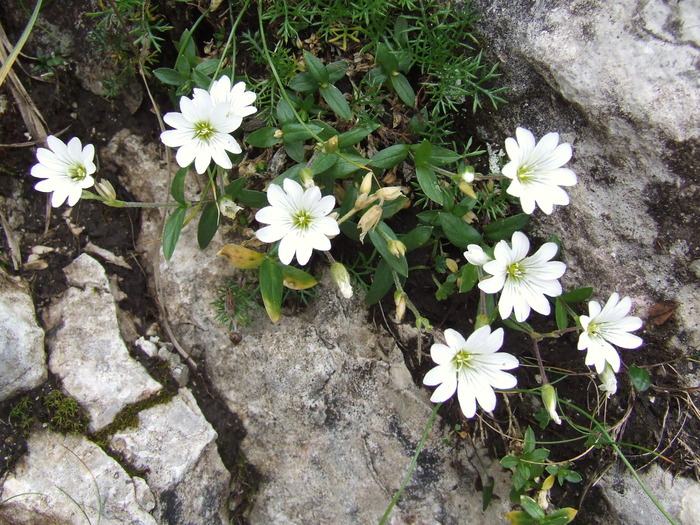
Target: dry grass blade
pixel 36 125
pixel 12 242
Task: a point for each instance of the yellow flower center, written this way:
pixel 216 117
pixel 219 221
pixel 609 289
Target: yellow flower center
pixel 302 220
pixel 77 172
pixel 204 130
pixel 463 359
pixel 515 270
pixel 525 174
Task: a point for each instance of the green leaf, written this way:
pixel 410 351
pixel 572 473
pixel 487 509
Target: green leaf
pixel 202 80
pixel 343 167
pixel 207 67
pixel 416 238
pixel 389 157
pixel 233 189
pixel 504 228
pixel 253 198
pixel 577 296
pixel 391 208
pixel 532 508
pixel 295 150
pixel 381 284
pixel 422 152
pixel 303 83
pixel 561 314
pixel 285 114
pixel 355 135
pixel 470 276
pixel 441 156
pixel 429 184
pixel 271 288
pixel 208 223
pixel 336 101
pixel 514 326
pixel 263 137
pixel 296 131
pixel 316 68
pixel 510 461
pixel 457 231
pixel 398 264
pixel 519 517
pixel 403 89
pixel 171 232
pixel 323 162
pixel 337 70
pixel 641 380
pixel 177 186
pixel 387 59
pixel 170 76
pixel 447 288
pixel 530 442
pixel 487 494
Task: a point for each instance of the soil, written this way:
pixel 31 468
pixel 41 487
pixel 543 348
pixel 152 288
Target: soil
pixel 664 419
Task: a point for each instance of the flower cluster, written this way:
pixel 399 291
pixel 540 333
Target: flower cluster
pixel 205 122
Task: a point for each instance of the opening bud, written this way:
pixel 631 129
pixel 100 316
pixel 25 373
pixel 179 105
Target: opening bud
pixel 608 380
pixel 307 178
pixel 228 207
pixel 331 145
pixel 369 220
pixel 397 248
pixel 467 174
pixel 278 134
pixel 341 277
pixel 388 193
pixel 400 302
pixel 106 190
pixel 451 265
pixel 366 185
pixel 549 398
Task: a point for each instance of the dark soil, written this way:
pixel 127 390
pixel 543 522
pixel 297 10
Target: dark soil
pixel 661 419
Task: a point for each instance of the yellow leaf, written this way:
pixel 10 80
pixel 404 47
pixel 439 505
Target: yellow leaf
pixel 240 257
pixel 297 279
pixel 549 482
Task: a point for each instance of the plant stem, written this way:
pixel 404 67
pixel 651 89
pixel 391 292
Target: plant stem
pixel 536 350
pixel 412 466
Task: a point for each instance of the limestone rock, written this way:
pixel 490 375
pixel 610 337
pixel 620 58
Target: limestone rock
pixel 620 80
pixel 333 418
pixel 22 354
pixel 60 468
pixel 176 447
pixel 86 350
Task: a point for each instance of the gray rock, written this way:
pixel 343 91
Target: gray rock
pixel 64 478
pixel 22 354
pixel 86 350
pixel 620 80
pixel 176 447
pixel 678 496
pixel 333 418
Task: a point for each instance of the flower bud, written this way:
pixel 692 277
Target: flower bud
pixel 400 302
pixel 451 265
pixel 228 207
pixel 397 248
pixel 476 255
pixel 388 193
pixel 278 134
pixel 467 174
pixel 481 321
pixel 307 178
pixel 608 380
pixel 331 145
pixel 369 220
pixel 366 185
pixel 549 398
pixel 341 277
pixel 106 190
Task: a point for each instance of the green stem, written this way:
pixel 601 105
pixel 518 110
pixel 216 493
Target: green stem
pixel 412 466
pixel 230 39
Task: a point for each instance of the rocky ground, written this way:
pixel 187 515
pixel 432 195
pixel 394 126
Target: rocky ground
pixel 314 420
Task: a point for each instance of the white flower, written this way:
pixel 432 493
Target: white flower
pixel 605 326
pixel 236 98
pixel 299 219
pixel 472 367
pixel 608 381
pixel 476 255
pixel 202 132
pixel 536 170
pixel 66 169
pixel 523 281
